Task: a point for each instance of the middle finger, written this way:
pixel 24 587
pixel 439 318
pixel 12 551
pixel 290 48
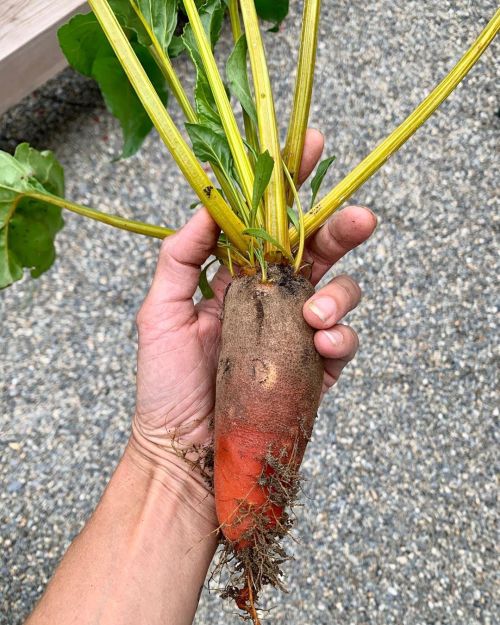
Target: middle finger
pixel 344 231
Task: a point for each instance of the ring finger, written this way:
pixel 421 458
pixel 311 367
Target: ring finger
pixel 331 303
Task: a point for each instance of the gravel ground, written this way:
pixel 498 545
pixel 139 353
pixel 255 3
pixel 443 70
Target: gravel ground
pixel 399 519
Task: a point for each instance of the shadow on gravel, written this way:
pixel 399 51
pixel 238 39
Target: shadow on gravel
pixel 48 110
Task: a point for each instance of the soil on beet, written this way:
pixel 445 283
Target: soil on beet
pixel 269 382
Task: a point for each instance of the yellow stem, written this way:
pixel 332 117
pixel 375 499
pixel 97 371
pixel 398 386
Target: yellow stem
pixel 234 17
pixel 175 84
pixel 294 146
pixel 276 216
pixel 250 132
pixel 222 252
pixel 302 239
pixel 362 172
pixel 170 135
pixel 233 135
pixel 165 65
pixel 131 225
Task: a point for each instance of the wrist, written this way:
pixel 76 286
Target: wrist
pixel 142 556
pixel 177 474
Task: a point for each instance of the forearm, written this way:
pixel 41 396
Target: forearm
pixel 142 557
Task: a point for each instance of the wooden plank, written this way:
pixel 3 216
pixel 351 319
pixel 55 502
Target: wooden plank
pixel 29 51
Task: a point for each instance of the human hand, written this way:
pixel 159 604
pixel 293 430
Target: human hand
pixel 179 341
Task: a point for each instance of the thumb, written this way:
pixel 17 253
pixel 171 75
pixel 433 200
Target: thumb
pixel 181 257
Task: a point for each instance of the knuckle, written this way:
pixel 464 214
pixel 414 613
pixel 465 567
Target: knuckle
pixel 351 344
pixel 350 287
pixel 354 340
pixel 334 233
pixel 166 249
pixel 142 316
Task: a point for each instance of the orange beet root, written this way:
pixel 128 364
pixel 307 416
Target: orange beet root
pixel 269 382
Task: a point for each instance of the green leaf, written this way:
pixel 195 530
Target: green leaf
pixel 272 10
pixel 292 216
pixel 176 47
pixel 129 19
pixel 205 288
pixel 88 51
pixel 260 233
pixel 82 42
pixel 161 15
pixel 321 172
pixel 199 4
pixel 263 172
pixel 251 149
pixel 262 262
pixel 31 233
pixel 237 77
pixel 43 166
pixel 28 226
pixel 206 107
pixel 121 98
pixel 212 147
pixel 82 39
pixel 212 17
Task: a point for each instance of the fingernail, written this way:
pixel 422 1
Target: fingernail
pixel 323 308
pixel 335 337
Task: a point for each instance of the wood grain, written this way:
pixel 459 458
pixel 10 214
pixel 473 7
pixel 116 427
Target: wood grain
pixel 29 51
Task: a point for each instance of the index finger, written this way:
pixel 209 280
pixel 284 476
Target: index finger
pixel 343 232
